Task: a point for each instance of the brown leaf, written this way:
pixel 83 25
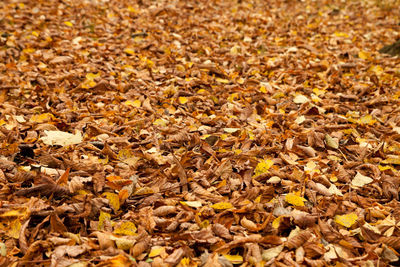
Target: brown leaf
pixel 298 240
pixel 23 244
pixel 391 241
pixel 175 257
pixel 164 210
pixel 109 152
pixel 99 180
pixel 221 231
pixel 141 246
pixel 44 190
pixel 329 233
pixel 61 60
pixel 313 250
pixel 63 180
pixel 56 225
pixel 249 225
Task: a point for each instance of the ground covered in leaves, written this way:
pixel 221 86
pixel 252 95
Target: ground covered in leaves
pixel 199 133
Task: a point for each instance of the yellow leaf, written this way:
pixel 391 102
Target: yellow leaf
pixel 126 156
pixel 15 213
pixel 377 69
pixel 318 92
pixel 235 259
pixel 235 50
pixel 82 192
pixel 103 218
pixel 89 82
pixel 128 68
pixel 28 50
pixel 3 249
pixel 367 119
pixel 125 228
pixel 346 220
pixel 91 76
pixel 220 80
pixel 42 66
pixel 295 200
pixel 221 184
pixel 14 229
pixel 237 151
pixel 276 222
pixel 129 51
pixel 204 224
pixel 222 206
pixel 240 81
pixel 263 167
pixel 333 179
pixel 364 55
pixel 160 122
pixel 68 23
pixel 341 34
pixel 35 33
pixel 384 168
pixel 180 68
pixel 278 95
pixel 263 89
pixel 155 251
pixel 183 100
pixel 40 118
pixel 135 103
pixel 114 200
pixel 131 9
pixel 232 97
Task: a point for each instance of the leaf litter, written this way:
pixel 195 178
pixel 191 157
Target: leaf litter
pixel 199 133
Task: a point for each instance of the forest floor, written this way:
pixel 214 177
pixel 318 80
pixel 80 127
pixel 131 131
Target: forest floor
pixel 199 133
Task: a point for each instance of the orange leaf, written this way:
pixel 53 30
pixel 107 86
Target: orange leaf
pixel 64 178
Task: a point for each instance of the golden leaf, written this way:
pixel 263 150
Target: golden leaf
pixel 103 218
pixel 155 251
pixel 346 220
pixel 114 200
pixel 263 167
pixel 41 118
pixel 125 228
pixel 235 259
pixel 222 206
pixel 295 200
pixel 183 100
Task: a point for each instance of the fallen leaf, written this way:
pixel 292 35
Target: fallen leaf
pixel 294 199
pixel 346 220
pixel 61 138
pixel 360 180
pixel 222 206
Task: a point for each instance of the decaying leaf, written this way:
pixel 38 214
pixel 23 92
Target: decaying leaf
pixel 199 133
pixel 61 138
